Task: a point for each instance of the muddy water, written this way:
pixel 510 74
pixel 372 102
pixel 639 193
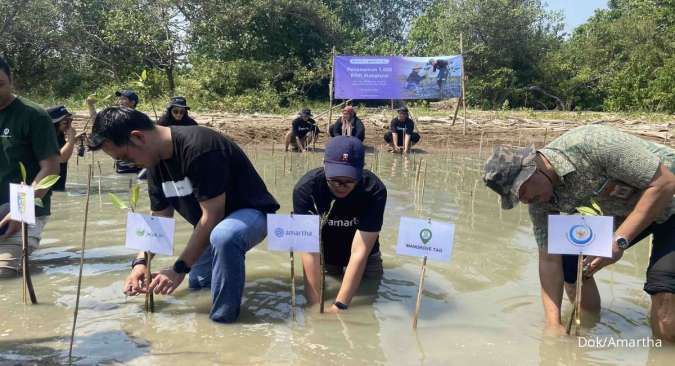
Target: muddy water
pixel 481 308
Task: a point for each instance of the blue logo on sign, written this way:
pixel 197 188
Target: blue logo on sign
pixel 580 235
pixel 279 232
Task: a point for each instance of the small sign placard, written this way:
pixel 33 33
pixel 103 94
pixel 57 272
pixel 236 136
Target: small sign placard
pixel 293 232
pixel 577 234
pixel 425 238
pixel 22 203
pixel 150 233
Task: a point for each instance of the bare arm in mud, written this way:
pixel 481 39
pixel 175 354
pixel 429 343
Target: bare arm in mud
pixel 361 246
pixel 213 210
pixel 406 143
pixel 134 282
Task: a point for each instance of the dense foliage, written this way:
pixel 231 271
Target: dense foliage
pixel 263 54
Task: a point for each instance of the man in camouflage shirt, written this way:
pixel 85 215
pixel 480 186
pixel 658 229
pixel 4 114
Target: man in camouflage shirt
pixel 631 179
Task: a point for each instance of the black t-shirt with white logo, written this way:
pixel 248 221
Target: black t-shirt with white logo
pixel 204 165
pixel 301 127
pixel 362 209
pixel 406 127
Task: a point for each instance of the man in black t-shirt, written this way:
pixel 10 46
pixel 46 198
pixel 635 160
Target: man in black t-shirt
pixel 401 135
pixel 303 131
pixel 354 200
pixel 211 183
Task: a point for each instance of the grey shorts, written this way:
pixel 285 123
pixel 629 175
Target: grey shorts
pixel 10 248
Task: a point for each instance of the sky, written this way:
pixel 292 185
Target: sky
pixel 576 11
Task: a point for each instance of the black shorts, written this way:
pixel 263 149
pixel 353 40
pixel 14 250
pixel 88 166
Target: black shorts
pixel 661 269
pixel 414 138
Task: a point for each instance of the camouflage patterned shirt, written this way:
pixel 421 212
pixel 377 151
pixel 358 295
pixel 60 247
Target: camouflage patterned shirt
pixel 601 163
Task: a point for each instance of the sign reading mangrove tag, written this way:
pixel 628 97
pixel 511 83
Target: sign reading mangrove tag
pixel 293 232
pixel 576 234
pixel 22 203
pixel 424 238
pixel 397 77
pixel 150 233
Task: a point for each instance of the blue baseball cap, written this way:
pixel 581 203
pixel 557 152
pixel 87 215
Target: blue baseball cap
pixel 344 157
pixel 130 94
pixel 58 113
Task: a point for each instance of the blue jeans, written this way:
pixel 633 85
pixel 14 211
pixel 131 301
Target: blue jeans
pixel 221 266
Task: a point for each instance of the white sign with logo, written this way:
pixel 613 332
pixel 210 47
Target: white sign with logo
pixel 22 203
pixel 150 233
pixel 293 232
pixel 425 238
pixel 576 234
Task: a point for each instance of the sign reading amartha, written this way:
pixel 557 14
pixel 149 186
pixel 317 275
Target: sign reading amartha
pixel 293 233
pixel 425 238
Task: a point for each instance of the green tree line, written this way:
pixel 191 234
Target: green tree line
pixel 265 54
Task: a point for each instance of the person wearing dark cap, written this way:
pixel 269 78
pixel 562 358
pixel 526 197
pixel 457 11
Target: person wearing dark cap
pixel 66 137
pixel 401 135
pixel 354 199
pixel 209 180
pixel 348 125
pixel 303 131
pixel 26 136
pixel 127 98
pixel 177 114
pixel 629 178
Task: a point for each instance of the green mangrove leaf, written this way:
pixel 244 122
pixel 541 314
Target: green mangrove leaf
pixel 24 176
pixel 585 210
pixel 117 201
pixel 596 206
pixel 47 182
pixel 135 192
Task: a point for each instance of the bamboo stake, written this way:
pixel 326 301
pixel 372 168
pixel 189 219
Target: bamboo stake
pixel 577 298
pixel 424 179
pixel 322 291
pixel 322 258
pixel 330 91
pixel 149 296
pixel 419 293
pixel 454 117
pixel 480 147
pixel 461 51
pixel 292 286
pixel 79 277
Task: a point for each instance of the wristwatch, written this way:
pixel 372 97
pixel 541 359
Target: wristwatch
pixel 181 267
pixel 341 306
pixel 622 242
pixel 138 261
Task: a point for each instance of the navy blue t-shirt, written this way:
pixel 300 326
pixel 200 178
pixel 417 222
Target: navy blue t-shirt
pixel 362 209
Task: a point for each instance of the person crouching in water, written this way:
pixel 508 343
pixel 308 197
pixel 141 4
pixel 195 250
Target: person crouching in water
pixel 401 135
pixel 303 131
pixel 354 200
pixel 177 114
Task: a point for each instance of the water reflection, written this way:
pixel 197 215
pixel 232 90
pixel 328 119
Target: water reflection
pixel 482 307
